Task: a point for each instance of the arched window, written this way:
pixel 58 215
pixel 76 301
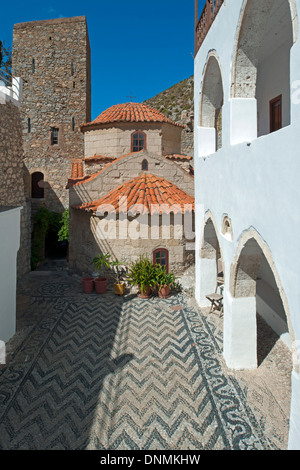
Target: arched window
pixel 212 100
pixel 161 256
pixel 145 165
pixel 37 185
pixel 261 65
pixel 138 141
pixel 227 228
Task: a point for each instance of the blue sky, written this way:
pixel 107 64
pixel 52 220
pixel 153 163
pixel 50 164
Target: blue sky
pixel 138 47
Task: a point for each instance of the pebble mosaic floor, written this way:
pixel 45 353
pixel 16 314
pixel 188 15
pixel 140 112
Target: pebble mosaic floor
pixel 107 372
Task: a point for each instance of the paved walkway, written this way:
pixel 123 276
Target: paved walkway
pixel 107 372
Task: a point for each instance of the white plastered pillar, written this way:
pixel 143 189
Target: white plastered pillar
pixel 207 280
pixel 240 332
pixel 243 120
pixel 206 141
pixel 294 435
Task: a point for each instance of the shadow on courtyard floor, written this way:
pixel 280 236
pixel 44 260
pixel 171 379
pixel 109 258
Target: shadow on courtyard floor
pixel 62 358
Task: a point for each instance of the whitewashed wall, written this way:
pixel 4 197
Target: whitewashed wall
pixel 253 180
pixel 9 245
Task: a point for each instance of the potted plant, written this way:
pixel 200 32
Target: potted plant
pixel 88 285
pixel 118 271
pixel 99 262
pixel 164 281
pixel 142 274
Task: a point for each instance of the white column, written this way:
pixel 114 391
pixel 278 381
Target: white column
pixel 294 436
pixel 240 332
pixel 207 279
pixel 243 120
pixel 9 245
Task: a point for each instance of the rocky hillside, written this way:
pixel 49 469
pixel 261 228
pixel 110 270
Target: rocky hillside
pixel 177 103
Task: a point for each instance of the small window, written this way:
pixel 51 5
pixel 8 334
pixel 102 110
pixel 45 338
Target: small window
pixel 138 141
pixel 72 68
pixel 33 65
pixel 54 136
pixel 73 124
pixel 28 125
pixel 227 228
pixel 161 256
pixel 276 114
pixel 37 185
pixel 145 165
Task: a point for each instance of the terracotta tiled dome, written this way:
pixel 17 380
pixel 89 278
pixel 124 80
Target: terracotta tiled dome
pixel 131 112
pixel 151 192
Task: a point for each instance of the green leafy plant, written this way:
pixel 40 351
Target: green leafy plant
pixel 142 273
pixel 63 233
pixel 101 261
pixel 163 278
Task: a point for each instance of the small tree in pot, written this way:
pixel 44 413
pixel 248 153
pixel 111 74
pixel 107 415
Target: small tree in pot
pixel 118 273
pixel 164 281
pixel 142 274
pixel 99 262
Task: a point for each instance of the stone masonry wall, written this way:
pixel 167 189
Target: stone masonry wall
pixel 171 139
pixel 88 240
pixel 12 190
pixel 53 59
pixel 127 168
pixel 115 140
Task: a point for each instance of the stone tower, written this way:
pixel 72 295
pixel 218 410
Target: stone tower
pixel 53 59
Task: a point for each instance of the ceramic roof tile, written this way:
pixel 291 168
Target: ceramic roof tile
pixel 99 158
pixel 176 156
pixel 130 112
pixel 77 173
pixel 155 193
pixel 77 169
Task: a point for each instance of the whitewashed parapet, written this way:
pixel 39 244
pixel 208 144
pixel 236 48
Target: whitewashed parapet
pixel 10 89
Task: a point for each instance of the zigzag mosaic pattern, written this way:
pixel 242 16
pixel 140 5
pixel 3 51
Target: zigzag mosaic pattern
pixel 104 372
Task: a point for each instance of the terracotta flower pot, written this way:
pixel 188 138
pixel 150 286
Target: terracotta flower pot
pixel 146 293
pixel 88 285
pixel 119 289
pixel 164 292
pixel 101 285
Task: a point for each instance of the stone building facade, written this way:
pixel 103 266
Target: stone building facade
pixel 87 236
pixel 129 151
pixel 53 59
pixel 111 133
pixel 12 187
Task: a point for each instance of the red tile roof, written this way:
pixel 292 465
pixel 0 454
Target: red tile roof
pixel 175 156
pixel 130 112
pixel 100 158
pixel 77 174
pixel 77 169
pixel 155 194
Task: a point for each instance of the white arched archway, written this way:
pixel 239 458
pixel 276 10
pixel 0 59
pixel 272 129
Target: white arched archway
pixel 260 86
pixel 252 263
pixel 211 103
pixel 211 260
